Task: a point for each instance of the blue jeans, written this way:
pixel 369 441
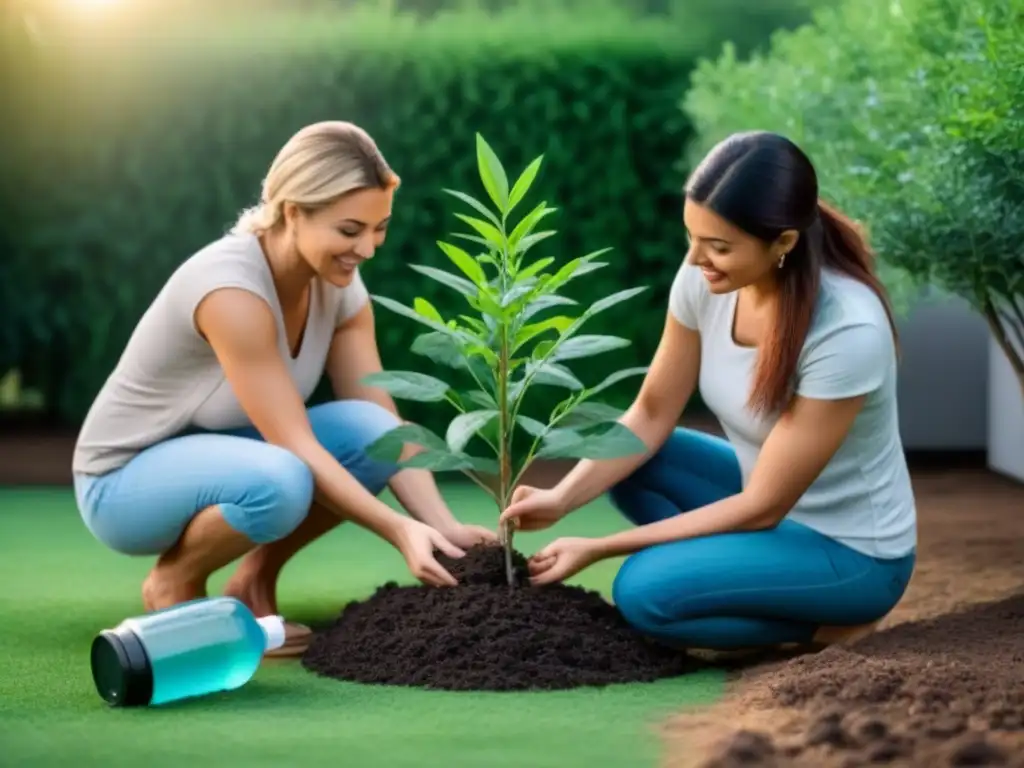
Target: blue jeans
pixel 743 589
pixel 263 490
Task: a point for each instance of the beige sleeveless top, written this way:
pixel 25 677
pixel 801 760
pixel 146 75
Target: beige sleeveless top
pixel 168 379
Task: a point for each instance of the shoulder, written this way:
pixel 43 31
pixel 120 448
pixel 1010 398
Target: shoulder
pixel 850 348
pixel 232 261
pixel 689 296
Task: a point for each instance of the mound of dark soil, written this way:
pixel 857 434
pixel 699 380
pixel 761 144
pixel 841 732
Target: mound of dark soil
pixel 944 692
pixel 485 635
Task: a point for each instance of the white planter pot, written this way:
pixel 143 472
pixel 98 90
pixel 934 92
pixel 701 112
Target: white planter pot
pixel 1005 416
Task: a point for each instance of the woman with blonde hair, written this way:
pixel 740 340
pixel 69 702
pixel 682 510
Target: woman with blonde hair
pixel 199 448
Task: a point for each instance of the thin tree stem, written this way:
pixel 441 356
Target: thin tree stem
pixel 1016 359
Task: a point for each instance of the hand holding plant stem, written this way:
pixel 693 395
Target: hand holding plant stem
pixel 503 348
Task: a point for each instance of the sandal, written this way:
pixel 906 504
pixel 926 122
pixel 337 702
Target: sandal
pixel 296 641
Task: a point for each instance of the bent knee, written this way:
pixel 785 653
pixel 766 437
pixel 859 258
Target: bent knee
pixel 277 502
pixel 623 495
pixel 347 428
pixel 638 596
pixel 352 424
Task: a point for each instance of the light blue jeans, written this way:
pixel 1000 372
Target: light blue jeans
pixel 263 490
pixel 743 589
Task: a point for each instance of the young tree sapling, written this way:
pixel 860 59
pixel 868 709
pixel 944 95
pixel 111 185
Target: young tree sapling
pixel 504 347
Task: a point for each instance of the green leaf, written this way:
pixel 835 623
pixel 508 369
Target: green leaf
pixel 425 309
pixel 486 258
pixel 476 326
pixel 401 309
pixel 486 304
pixel 483 399
pixel 615 378
pixel 482 370
pixel 465 287
pixel 531 240
pixel 546 301
pixel 587 414
pixel 516 292
pixel 408 385
pixel 588 345
pixel 611 441
pixel 484 465
pixel 440 348
pixel 532 427
pixel 534 268
pixel 483 353
pixel 479 241
pixel 577 267
pixel 528 222
pixel 482 209
pixel 559 323
pixel 610 301
pixel 438 461
pixel 523 183
pixel 469 266
pixel 389 446
pixel 465 425
pixel 553 374
pixel 543 349
pixel 492 235
pixel 492 174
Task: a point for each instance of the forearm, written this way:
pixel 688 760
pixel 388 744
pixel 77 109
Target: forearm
pixel 418 493
pixel 416 489
pixel 592 477
pixel 345 496
pixel 740 512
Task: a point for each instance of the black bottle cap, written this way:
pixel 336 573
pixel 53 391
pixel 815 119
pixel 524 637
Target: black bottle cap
pixel 121 668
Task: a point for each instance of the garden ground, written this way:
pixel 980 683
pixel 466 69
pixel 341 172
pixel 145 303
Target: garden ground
pixel 941 682
pixel 61 587
pixel 906 677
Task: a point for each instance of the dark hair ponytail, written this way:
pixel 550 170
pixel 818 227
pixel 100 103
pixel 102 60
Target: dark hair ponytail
pixel 765 185
pixel 832 241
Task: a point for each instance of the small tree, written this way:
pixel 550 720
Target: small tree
pixel 503 348
pixel 911 111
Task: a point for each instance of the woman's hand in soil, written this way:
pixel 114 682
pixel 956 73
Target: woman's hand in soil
pixel 417 542
pixel 466 536
pixel 562 559
pixel 533 509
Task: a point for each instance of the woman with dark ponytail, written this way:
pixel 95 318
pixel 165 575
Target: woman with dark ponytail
pixel 801 526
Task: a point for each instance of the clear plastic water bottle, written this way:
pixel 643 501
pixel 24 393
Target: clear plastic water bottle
pixel 189 650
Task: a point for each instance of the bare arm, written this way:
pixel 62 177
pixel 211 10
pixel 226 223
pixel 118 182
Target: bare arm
pixel 667 387
pixel 353 355
pixel 799 447
pixel 242 331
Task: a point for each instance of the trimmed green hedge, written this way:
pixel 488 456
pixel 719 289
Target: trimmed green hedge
pixel 157 141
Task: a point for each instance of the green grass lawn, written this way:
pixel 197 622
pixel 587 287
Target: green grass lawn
pixel 59 587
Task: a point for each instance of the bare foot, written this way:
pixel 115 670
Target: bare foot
pixel 161 590
pixel 256 590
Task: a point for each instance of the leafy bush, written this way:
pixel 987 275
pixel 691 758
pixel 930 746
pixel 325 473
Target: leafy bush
pixel 911 111
pixel 149 154
pixel 133 142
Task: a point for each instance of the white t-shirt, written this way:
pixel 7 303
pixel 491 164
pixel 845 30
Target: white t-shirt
pixel 863 497
pixel 168 379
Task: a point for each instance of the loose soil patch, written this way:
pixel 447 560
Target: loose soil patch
pixel 941 683
pixel 485 635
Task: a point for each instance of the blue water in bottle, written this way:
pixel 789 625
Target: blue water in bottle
pixel 189 650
